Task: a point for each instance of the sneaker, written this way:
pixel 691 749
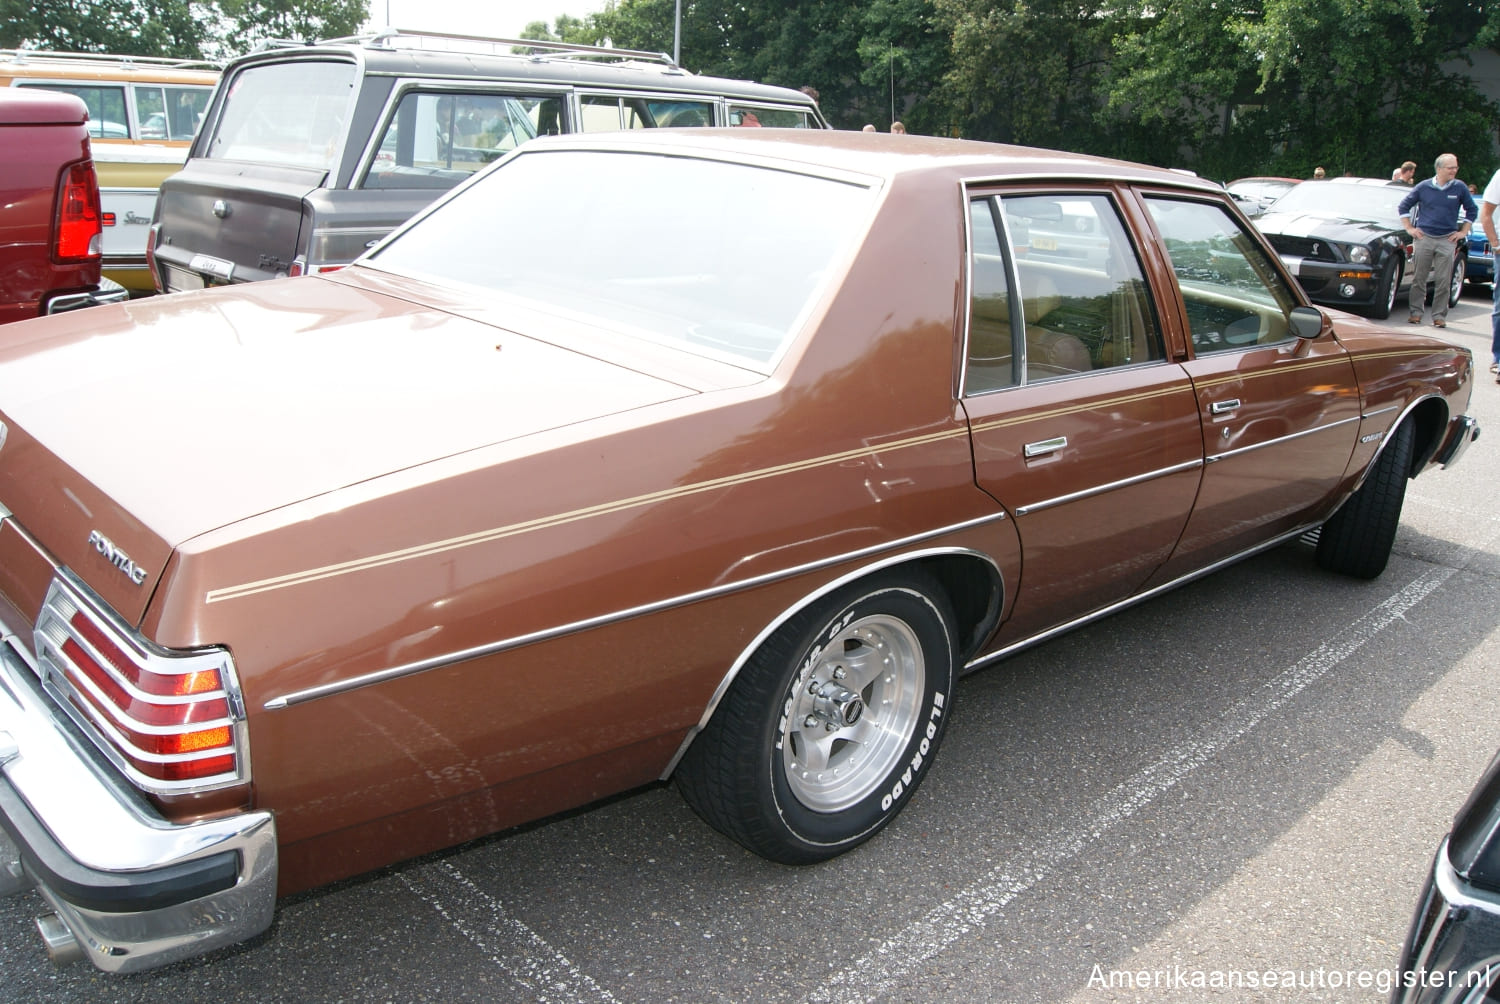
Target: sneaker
pixel 1414 319
pixel 1439 323
pixel 1495 366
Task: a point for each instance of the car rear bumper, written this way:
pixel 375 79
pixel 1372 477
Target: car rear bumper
pixel 1450 954
pixel 109 291
pixel 134 890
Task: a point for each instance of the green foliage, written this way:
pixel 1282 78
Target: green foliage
pixel 184 29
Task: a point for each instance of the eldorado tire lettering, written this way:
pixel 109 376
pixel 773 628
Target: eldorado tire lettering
pixel 918 759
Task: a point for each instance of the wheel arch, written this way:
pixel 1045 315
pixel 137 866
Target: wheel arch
pixel 1429 415
pixel 972 584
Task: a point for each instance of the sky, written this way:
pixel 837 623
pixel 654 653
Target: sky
pixel 491 18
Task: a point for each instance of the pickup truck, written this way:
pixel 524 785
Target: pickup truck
pixel 51 233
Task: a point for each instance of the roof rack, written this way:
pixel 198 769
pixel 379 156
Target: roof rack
pixel 403 38
pixel 160 62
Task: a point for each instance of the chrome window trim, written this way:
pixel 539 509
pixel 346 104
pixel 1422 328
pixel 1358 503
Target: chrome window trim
pixel 628 613
pixel 1186 465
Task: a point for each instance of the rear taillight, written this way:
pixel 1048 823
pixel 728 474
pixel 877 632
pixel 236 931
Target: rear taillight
pixel 79 230
pixel 171 720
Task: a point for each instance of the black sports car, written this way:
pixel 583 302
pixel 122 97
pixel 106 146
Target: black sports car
pixel 1343 240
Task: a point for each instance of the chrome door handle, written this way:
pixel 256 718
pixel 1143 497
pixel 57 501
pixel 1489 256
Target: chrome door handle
pixel 1045 446
pixel 1223 407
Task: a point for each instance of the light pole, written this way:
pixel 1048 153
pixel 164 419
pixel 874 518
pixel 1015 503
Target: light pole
pixel 677 36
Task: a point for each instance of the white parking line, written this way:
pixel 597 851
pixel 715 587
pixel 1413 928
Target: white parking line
pixel 518 950
pixel 924 939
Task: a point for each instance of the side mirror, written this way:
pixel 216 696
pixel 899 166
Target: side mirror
pixel 1306 322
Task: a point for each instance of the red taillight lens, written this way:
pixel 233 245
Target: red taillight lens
pixel 80 232
pixel 172 727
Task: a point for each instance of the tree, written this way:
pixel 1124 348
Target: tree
pixel 186 29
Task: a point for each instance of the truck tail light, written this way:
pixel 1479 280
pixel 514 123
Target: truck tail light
pixel 172 721
pixel 79 230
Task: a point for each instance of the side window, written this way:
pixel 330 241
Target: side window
pixel 1080 300
pixel 185 108
pixel 437 140
pixel 1233 295
pixel 680 114
pixel 771 118
pixel 106 106
pixel 601 113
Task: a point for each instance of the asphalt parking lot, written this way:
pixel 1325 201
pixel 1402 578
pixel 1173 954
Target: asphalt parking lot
pixel 1246 776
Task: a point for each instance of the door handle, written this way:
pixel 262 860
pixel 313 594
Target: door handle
pixel 1224 407
pixel 1043 447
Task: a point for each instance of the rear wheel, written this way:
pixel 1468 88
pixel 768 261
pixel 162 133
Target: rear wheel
pixel 831 724
pixel 1357 539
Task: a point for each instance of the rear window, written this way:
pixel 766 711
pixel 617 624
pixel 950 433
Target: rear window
pixel 290 114
pixel 718 258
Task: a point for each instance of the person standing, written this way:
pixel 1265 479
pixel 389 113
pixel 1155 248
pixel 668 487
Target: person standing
pixel 1430 214
pixel 1488 201
pixel 1406 173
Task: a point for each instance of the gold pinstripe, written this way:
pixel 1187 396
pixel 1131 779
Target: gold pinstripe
pixel 562 519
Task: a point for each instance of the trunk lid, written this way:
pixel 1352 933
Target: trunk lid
pixel 145 424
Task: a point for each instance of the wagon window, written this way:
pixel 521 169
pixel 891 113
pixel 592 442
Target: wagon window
pixel 106 105
pixel 1080 302
pixel 1233 295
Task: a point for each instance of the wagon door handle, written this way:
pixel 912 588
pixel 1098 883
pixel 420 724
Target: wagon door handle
pixel 1043 447
pixel 1224 407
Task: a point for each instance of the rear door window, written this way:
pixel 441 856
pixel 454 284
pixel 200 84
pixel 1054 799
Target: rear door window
pixel 436 139
pixel 289 113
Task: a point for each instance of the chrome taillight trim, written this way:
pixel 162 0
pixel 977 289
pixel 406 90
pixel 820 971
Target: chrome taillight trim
pixel 66 597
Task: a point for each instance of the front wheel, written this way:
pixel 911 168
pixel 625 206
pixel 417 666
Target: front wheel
pixel 1357 539
pixel 831 724
pixel 1385 294
pixel 1456 281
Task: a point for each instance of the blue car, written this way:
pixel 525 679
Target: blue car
pixel 1481 266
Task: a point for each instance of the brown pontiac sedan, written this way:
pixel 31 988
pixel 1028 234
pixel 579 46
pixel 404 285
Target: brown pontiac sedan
pixel 709 455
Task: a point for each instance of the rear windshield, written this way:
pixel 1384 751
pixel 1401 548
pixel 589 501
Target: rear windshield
pixel 285 113
pixel 721 259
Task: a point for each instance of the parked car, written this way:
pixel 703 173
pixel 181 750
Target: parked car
pixel 500 520
pixel 50 229
pixel 1480 265
pixel 1343 240
pixel 309 155
pixel 142 113
pixel 1452 952
pixel 1256 195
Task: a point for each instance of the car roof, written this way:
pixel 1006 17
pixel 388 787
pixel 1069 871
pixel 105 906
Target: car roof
pixel 878 154
pixel 467 57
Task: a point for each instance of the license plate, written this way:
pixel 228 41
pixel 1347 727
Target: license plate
pixel 180 280
pixel 1044 243
pixel 208 265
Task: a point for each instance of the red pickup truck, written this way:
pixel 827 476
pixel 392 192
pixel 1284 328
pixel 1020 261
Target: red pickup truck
pixel 51 232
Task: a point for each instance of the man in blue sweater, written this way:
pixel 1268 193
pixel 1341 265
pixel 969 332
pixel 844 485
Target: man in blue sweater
pixel 1430 214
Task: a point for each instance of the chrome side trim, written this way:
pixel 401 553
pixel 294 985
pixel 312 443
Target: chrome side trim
pixel 1186 465
pixel 1214 458
pixel 1378 411
pixel 791 611
pixel 588 624
pixel 1131 601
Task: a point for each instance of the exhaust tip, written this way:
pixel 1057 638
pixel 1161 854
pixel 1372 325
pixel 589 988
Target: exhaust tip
pixel 62 947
